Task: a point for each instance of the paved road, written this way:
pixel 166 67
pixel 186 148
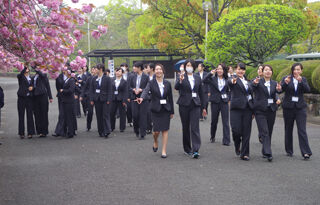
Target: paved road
pixel 123 170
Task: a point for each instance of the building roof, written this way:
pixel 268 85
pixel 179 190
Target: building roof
pixel 126 53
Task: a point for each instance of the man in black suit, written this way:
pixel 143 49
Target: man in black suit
pixel 126 76
pixel 42 93
pixel 25 102
pixel 100 97
pixel 67 98
pixel 137 84
pixel 85 96
pixel 59 131
pixel 202 74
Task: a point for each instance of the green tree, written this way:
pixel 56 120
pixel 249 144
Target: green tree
pixel 254 34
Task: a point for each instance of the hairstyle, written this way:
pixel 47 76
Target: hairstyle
pixel 107 70
pixel 202 65
pixel 100 66
pixel 242 66
pixel 118 68
pixel 161 66
pixel 152 66
pixel 138 64
pixel 193 64
pixel 124 65
pixel 225 70
pixel 295 65
pixel 269 66
pixel 145 66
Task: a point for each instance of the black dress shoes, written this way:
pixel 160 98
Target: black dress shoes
pixel 141 137
pixel 212 140
pixel 306 156
pixel 155 149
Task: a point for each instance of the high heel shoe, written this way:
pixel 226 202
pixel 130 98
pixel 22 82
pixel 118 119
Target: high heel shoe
pixel 163 156
pixel 155 149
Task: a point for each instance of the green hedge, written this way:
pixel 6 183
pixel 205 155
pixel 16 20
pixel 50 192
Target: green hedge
pixel 283 73
pixel 250 70
pixel 316 79
pixel 278 66
pixel 308 68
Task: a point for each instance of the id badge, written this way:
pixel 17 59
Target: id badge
pixel 270 101
pixel 97 90
pixel 116 92
pixel 249 97
pixel 224 96
pixel 194 95
pixel 163 102
pixel 295 99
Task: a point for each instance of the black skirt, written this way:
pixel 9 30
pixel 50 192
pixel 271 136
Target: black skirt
pixel 160 120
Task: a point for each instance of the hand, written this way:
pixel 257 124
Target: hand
pixel 213 71
pixel 299 78
pixel 171 116
pixel 61 90
pixel 234 80
pixel 124 104
pixel 92 103
pixel 77 83
pixel 128 100
pixel 136 92
pixel 278 87
pixel 80 98
pixel 140 90
pixel 50 100
pixel 181 77
pixel 209 94
pixel 287 79
pixel 204 113
pixel 108 102
pixel 75 97
pixel 30 88
pixel 252 116
pixel 278 102
pixel 256 81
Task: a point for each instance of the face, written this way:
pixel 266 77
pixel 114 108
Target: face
pixel 80 71
pixel 181 67
pixel 219 71
pixel 27 70
pixel 297 71
pixel 200 68
pixel 267 72
pixel 260 73
pixel 84 69
pixel 158 71
pixel 124 68
pixel 230 70
pixel 189 66
pixel 135 69
pixel 240 72
pixel 119 73
pixel 146 70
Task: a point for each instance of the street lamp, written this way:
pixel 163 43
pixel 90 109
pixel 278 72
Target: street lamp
pixel 206 6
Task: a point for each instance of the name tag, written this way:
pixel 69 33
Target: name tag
pixel 97 90
pixel 79 85
pixel 116 92
pixel 163 102
pixel 194 95
pixel 224 96
pixel 295 99
pixel 249 97
pixel 270 101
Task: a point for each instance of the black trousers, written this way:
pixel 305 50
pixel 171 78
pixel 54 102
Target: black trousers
pixel 300 116
pixel 189 116
pixel 25 105
pixel 265 122
pixel 103 117
pixel 89 113
pixel 69 119
pixel 216 108
pixel 117 105
pixel 60 125
pixel 77 109
pixel 129 112
pixel 206 105
pixel 149 119
pixel 139 114
pixel 85 105
pixel 41 109
pixel 241 122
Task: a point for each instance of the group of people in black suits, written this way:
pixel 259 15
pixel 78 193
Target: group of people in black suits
pixel 145 98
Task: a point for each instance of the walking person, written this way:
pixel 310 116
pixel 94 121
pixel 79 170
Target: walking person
pixel 266 102
pixel 161 106
pixel 260 76
pixel 126 76
pixel 217 81
pixel 202 73
pixel 25 102
pixel 191 100
pixel 241 112
pixel 100 97
pixel 149 70
pixel 42 93
pixel 119 99
pixel 294 109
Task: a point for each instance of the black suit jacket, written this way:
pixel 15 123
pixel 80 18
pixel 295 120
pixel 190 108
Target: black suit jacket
pixel 122 90
pixel 59 84
pixel 216 94
pixel 185 91
pixel 239 95
pixel 41 85
pixel 67 95
pixel 155 95
pixel 24 84
pixel 205 86
pixel 105 94
pixel 85 89
pixel 289 90
pixel 261 95
pixel 132 84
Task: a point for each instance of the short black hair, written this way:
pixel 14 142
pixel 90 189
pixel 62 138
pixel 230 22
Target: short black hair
pixel 193 63
pixel 107 70
pixel 242 66
pixel 152 66
pixel 100 66
pixel 138 64
pixel 124 65
pixel 118 68
pixel 264 66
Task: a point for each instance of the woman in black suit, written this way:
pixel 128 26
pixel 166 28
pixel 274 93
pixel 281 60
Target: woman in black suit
pixel 67 98
pixel 191 100
pixel 161 107
pixel 241 111
pixel 294 109
pixel 219 91
pixel 25 103
pixel 266 103
pixel 202 74
pixel 119 99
